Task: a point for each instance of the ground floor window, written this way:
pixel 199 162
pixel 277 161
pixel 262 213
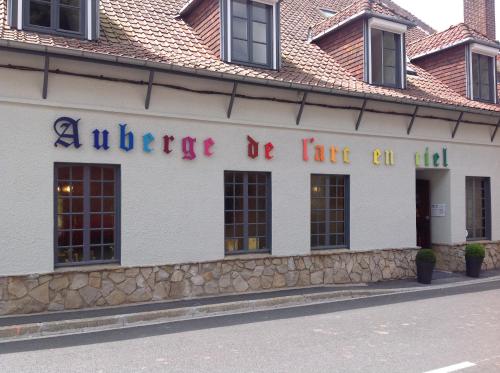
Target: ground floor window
pixel 247 210
pixel 86 210
pixel 329 211
pixel 478 201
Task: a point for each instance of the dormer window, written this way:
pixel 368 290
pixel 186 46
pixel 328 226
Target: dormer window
pixel 482 77
pixel 482 73
pixel 72 18
pixel 386 53
pixel 251 33
pixel 58 16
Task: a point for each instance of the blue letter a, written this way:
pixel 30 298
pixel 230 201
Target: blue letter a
pixel 67 131
pixel 126 137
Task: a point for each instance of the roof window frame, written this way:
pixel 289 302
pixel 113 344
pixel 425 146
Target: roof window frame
pixel 486 51
pixel 391 27
pixel 273 49
pixel 18 18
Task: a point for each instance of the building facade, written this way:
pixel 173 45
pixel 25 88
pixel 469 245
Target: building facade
pixel 273 153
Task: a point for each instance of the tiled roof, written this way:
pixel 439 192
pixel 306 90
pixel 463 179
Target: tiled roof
pixel 150 30
pixel 357 8
pixel 455 35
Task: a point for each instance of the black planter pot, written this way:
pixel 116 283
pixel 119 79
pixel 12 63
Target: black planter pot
pixel 473 265
pixel 424 272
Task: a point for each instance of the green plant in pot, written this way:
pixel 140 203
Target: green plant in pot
pixel 426 261
pixel 474 257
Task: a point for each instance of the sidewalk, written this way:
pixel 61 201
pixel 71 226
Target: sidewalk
pixel 18 327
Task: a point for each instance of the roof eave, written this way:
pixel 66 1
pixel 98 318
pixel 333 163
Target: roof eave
pixel 363 14
pixel 164 67
pixel 468 40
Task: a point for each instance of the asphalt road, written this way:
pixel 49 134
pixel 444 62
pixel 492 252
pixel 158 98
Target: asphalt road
pixel 448 329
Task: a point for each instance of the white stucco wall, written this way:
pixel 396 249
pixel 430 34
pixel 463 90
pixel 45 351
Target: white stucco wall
pixel 172 209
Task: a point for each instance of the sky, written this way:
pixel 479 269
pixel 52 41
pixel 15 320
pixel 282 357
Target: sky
pixel 441 14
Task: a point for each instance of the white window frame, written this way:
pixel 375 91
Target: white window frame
pixel 388 26
pixel 17 10
pixel 274 33
pixel 487 51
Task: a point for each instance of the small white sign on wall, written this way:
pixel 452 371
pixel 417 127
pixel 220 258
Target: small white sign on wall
pixel 438 209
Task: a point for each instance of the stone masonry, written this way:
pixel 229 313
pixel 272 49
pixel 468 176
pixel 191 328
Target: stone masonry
pixel 452 257
pixel 110 287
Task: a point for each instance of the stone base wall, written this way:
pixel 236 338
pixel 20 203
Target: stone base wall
pixel 87 288
pixel 452 257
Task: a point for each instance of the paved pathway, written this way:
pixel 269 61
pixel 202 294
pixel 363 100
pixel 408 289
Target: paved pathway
pixel 416 332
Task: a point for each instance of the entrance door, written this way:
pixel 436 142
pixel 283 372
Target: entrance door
pixel 423 214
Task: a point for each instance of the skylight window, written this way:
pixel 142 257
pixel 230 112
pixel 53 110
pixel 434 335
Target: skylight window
pixel 327 13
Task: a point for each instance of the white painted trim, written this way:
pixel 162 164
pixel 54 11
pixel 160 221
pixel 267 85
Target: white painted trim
pixel 484 50
pixel 229 21
pixel 403 61
pixel 90 17
pixel 385 25
pixel 20 14
pixel 267 2
pixel 369 57
pixel 468 64
pixel 275 37
pixel 9 12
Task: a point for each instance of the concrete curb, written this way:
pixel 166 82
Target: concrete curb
pixel 85 325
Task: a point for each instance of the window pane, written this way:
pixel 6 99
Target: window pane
pixel 240 9
pixel 63 173
pixel 240 28
pixel 240 50
pixel 390 75
pixel 40 13
pixel 69 18
pixel 109 252
pixel 376 51
pixel 389 40
pixel 74 3
pixel 389 57
pixel 259 32
pixel 260 53
pixel 260 12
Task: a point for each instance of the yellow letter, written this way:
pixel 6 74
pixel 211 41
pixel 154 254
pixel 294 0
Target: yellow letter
pixel 346 154
pixel 376 156
pixel 389 158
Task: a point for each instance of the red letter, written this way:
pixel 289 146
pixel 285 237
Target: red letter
pixel 269 148
pixel 188 148
pixel 253 148
pixel 305 155
pixel 208 143
pixel 166 143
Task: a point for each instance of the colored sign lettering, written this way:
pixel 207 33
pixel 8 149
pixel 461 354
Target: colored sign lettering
pixel 67 131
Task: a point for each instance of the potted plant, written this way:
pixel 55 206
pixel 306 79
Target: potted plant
pixel 474 257
pixel 426 261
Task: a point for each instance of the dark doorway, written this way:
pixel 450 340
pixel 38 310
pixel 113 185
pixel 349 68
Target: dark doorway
pixel 423 214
